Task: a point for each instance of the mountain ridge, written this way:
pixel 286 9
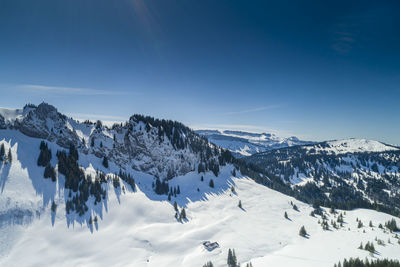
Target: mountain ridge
pixel 160 147
pixel 242 143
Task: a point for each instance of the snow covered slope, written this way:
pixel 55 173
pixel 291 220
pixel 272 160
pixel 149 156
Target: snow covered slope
pixel 138 228
pixel 351 146
pixel 245 143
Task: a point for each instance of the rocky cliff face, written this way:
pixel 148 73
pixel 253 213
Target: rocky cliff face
pixel 46 122
pixel 158 147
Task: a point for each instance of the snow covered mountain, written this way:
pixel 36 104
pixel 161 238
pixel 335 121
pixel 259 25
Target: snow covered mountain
pixel 143 231
pixel 246 144
pixel 352 145
pixel 82 194
pixel 351 173
pixel 159 147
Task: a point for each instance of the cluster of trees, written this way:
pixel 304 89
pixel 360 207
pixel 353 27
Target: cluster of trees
pixel 91 220
pixel 127 177
pixel 208 264
pixel 44 155
pixel 210 165
pixel 232 260
pixel 368 247
pixel 325 225
pixel 359 223
pixel 44 161
pixel 392 225
pixel 87 187
pixel 163 188
pixel 115 181
pixel 3 156
pixel 68 166
pixel 181 216
pixel 373 263
pixel 50 172
pixel 80 186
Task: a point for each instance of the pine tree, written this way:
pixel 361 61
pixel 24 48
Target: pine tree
pixel 392 225
pixel 44 156
pixel 229 260
pixel 176 206
pixel 208 264
pixel 49 172
pixel 211 183
pixel 240 204
pixel 200 168
pixel 53 207
pixel 105 162
pixel 182 215
pixel 286 216
pixel 9 156
pixel 303 231
pixel 92 142
pixel 2 152
pixel 332 210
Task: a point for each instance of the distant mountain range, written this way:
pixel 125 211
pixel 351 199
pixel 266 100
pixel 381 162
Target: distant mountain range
pixel 343 171
pixel 245 143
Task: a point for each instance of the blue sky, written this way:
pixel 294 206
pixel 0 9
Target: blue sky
pixel 315 69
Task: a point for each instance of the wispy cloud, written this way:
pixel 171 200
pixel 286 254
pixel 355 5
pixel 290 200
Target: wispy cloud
pixel 66 90
pixel 346 32
pixel 343 41
pixel 252 110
